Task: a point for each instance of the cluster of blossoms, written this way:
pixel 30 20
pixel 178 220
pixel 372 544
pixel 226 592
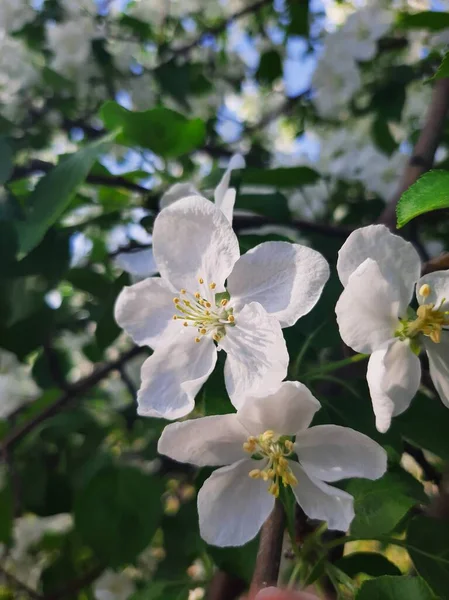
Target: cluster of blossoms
pixel 208 299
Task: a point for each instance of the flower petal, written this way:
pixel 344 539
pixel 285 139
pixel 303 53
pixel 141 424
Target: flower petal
pixel 397 259
pixel 212 441
pixel 145 311
pixel 367 310
pixel 439 365
pixel 257 358
pixel 193 239
pixel 331 452
pixel 232 507
pixel 173 375
pixel 321 501
pixel 223 196
pixel 286 279
pixel 139 263
pixel 289 410
pixel 176 192
pixel 394 375
pixel 439 289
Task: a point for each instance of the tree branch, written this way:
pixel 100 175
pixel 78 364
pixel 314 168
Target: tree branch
pixel 16 583
pixel 268 559
pixel 77 389
pixel 215 30
pixel 224 586
pixel 425 148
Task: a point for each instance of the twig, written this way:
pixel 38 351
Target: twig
pixel 19 585
pixel 224 586
pixel 425 148
pixel 77 389
pixel 215 30
pixel 41 166
pixel 268 559
pixel 429 471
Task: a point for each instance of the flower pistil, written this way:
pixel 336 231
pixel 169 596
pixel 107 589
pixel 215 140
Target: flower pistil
pixel 277 450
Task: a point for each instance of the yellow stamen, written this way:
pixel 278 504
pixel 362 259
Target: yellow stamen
pixel 183 291
pixel 255 474
pixel 203 331
pixel 175 317
pixel 224 302
pixel 197 295
pixel 231 318
pixel 424 290
pixel 197 340
pixel 185 324
pixel 212 286
pixel 176 300
pixel 201 280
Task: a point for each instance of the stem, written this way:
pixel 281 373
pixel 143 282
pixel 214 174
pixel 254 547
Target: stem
pixel 268 558
pixel 334 366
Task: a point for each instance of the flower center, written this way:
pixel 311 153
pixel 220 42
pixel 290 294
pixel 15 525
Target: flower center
pixel 276 449
pixel 429 320
pixel 205 311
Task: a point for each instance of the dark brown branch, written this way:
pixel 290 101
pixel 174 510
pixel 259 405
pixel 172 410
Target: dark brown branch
pixel 429 471
pixel 40 166
pixel 425 148
pixel 18 585
pixel 241 222
pixel 217 29
pixel 270 549
pixel 77 389
pixel 224 586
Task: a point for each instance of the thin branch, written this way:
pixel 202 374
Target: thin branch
pixel 215 30
pixel 16 583
pixel 224 586
pixel 40 166
pixel 77 389
pixel 268 558
pixel 429 471
pixel 241 222
pixel 425 148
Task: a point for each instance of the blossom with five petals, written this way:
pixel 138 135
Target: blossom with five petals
pixel 379 271
pixel 185 316
pixel 266 445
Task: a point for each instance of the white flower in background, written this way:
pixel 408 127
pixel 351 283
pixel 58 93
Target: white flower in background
pixel 113 586
pixel 80 7
pixel 310 200
pixel 70 43
pixel 362 30
pixel 185 318
pixel 14 14
pixel 260 455
pixel 21 560
pixel 416 102
pixel 379 271
pixel 380 173
pixel 17 73
pixel 335 80
pixel 141 263
pixel 16 384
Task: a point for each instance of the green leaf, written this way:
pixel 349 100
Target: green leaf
pixel 427 19
pixel 417 424
pixel 55 191
pixel 370 563
pixel 90 281
pixel 118 513
pixel 281 177
pixel 6 160
pixel 299 17
pixel 270 67
pixel 274 206
pixel 443 69
pixel 428 546
pixel 430 192
pixel 380 505
pixel 395 588
pixel 161 130
pixel 6 509
pixel 162 590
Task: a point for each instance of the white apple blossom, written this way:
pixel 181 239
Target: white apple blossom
pixel 16 384
pixel 379 271
pixel 335 81
pixel 380 172
pixel 141 263
pixel 70 43
pixel 269 287
pixel 113 586
pixel 14 14
pixel 256 444
pixel 363 29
